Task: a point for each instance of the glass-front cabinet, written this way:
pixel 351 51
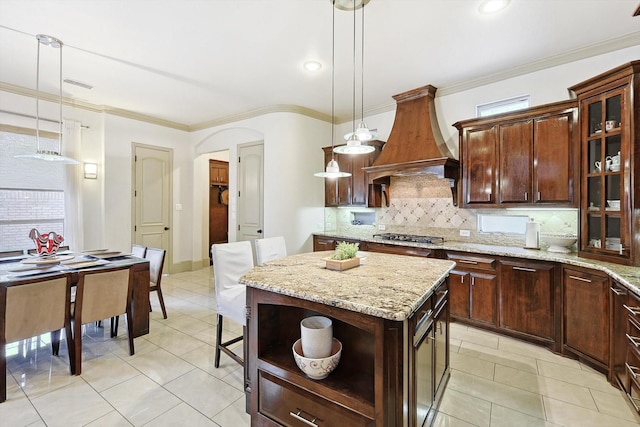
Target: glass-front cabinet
pixel 608 229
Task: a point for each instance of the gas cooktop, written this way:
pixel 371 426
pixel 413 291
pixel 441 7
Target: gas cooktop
pixel 410 238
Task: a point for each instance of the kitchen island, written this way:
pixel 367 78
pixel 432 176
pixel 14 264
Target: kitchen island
pixel 391 316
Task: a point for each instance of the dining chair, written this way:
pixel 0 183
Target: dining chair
pixel 101 294
pixel 156 261
pixel 29 308
pixel 270 248
pixel 230 262
pixel 138 250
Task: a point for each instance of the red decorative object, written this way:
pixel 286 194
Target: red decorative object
pixel 46 244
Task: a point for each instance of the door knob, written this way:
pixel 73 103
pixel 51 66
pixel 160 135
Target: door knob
pixel 259 231
pixel 166 228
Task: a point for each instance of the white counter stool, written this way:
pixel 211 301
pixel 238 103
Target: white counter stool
pixel 270 248
pixel 230 262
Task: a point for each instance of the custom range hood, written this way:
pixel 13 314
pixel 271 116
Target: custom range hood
pixel 415 145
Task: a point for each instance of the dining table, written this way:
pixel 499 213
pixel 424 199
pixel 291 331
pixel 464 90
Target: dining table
pixel 70 263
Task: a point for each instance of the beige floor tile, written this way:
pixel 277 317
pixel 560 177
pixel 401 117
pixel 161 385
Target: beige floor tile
pixel 505 417
pixel 175 341
pixel 513 345
pixel 576 376
pixel 505 395
pixel 207 394
pixel 189 324
pixel 140 399
pixel 161 366
pixel 107 371
pixel 567 414
pixel 475 336
pixel 545 386
pixel 499 357
pixel 76 404
pixel 17 407
pixel 472 365
pixel 112 419
pixel 614 404
pixel 234 415
pixel 444 420
pixel 465 407
pixel 183 415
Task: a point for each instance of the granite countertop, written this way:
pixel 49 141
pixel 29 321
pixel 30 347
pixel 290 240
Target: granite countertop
pixel 388 286
pixel 625 275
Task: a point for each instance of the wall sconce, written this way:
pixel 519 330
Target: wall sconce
pixel 90 171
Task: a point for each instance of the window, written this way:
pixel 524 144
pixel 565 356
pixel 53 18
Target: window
pixel 31 191
pixel 503 106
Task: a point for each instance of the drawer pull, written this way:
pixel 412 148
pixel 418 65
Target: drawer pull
pixel 299 417
pixel 633 402
pixel 464 261
pixel 582 279
pixel 530 270
pixel 632 370
pixel 633 340
pixel 618 291
pixel 633 310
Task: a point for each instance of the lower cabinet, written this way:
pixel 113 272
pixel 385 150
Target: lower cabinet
pixel 618 300
pixel 632 362
pixel 527 295
pixel 387 370
pixel 323 243
pixel 399 250
pixel 473 285
pixel 586 315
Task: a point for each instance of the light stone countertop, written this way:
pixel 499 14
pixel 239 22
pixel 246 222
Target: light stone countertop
pixel 625 275
pixel 392 287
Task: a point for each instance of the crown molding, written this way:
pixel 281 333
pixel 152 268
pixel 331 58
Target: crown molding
pixel 279 108
pixel 629 40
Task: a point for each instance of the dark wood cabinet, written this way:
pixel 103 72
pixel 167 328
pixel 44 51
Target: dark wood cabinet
pixel 632 362
pixel 521 158
pixel 586 315
pixel 473 288
pixel 399 250
pixel 610 193
pixel 619 298
pixel 479 155
pixel 383 375
pixel 218 172
pixel 353 190
pixel 527 295
pixel 325 243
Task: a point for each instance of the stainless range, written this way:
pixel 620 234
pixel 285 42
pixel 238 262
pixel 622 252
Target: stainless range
pixel 416 238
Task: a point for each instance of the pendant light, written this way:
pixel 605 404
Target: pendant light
pixel 40 154
pixel 361 133
pixel 333 170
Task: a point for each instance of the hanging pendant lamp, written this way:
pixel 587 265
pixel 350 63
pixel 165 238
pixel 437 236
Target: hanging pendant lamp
pixel 40 154
pixel 332 170
pixel 354 143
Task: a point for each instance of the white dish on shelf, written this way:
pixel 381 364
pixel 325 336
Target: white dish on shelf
pixel 317 369
pixel 614 204
pixel 559 243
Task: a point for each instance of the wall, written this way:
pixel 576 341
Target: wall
pixel 293 197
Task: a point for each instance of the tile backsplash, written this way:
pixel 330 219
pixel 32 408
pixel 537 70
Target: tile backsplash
pixel 423 205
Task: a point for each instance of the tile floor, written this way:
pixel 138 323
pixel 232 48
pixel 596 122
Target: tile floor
pixel 170 381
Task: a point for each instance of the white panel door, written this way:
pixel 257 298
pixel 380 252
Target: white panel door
pixel 152 206
pixel 250 191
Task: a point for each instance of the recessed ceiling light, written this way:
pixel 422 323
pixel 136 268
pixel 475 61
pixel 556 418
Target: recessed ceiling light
pixel 492 6
pixel 312 65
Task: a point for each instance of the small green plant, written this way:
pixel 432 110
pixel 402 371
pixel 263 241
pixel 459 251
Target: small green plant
pixel 345 250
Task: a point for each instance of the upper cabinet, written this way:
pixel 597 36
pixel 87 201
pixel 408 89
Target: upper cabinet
pixel 609 218
pixel 218 172
pixel 522 158
pixel 354 190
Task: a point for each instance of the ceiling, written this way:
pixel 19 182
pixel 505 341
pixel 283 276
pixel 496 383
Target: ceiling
pixel 204 62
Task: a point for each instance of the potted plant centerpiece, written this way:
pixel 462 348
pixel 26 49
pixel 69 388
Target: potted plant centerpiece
pixel 344 257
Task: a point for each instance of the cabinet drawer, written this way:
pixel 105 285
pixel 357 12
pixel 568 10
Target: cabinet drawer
pixel 473 262
pixel 290 405
pixel 398 250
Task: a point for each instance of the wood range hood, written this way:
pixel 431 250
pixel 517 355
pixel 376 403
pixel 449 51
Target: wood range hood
pixel 415 145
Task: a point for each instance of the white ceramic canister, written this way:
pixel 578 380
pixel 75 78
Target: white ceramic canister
pixel 316 333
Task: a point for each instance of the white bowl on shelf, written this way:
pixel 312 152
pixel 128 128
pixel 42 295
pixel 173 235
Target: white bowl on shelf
pixel 614 204
pixel 560 243
pixel 317 369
